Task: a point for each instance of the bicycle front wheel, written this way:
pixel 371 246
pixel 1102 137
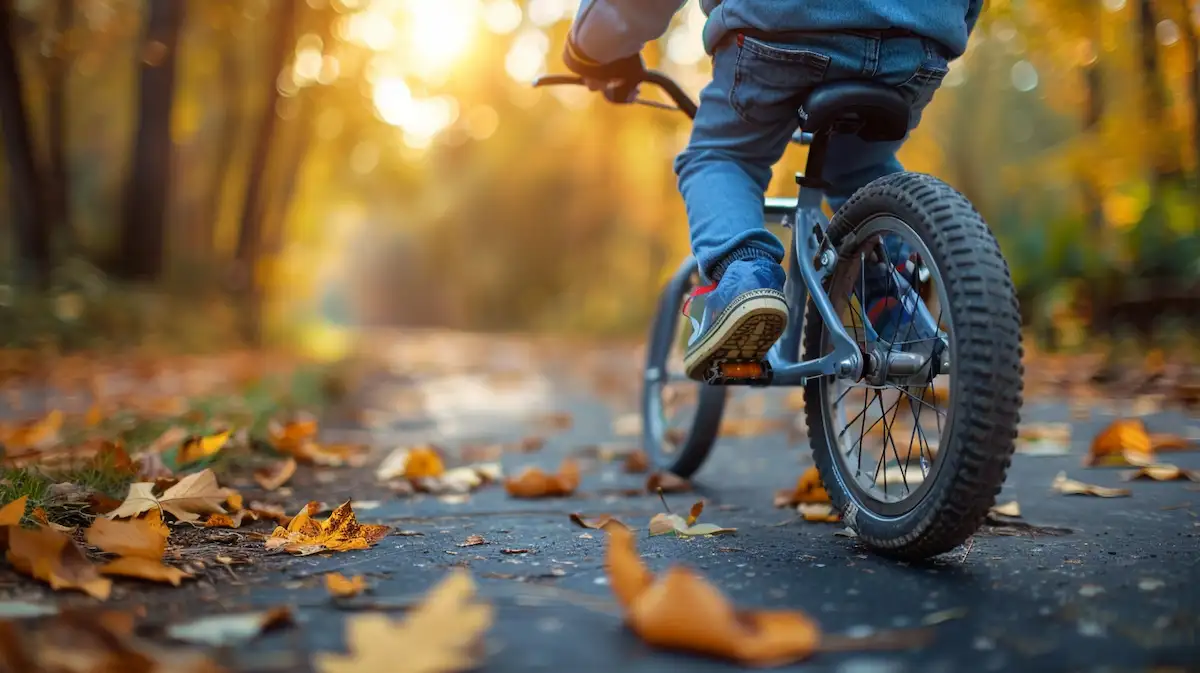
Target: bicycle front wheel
pixel 914 452
pixel 680 416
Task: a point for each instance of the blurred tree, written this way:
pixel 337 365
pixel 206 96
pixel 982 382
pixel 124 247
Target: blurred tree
pixel 143 232
pixel 57 49
pixel 30 222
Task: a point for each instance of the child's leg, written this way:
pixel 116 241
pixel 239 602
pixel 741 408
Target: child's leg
pixel 725 170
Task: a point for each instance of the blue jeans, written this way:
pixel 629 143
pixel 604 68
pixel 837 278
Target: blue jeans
pixel 749 111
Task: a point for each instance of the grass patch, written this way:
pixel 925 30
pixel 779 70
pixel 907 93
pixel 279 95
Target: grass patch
pixel 63 494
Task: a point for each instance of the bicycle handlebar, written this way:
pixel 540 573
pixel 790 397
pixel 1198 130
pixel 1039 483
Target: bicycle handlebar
pixel 683 102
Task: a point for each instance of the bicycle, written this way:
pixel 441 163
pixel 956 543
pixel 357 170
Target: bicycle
pixel 975 338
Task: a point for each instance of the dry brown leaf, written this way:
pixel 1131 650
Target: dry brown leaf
pixel 1124 442
pixel 1009 509
pixel 663 523
pixel 149 466
pixel 144 568
pixel 636 462
pixel 140 499
pixel 818 512
pixel 90 641
pixel 229 520
pixel 682 611
pixel 1044 439
pixel 808 490
pixel 667 482
pixel 275 475
pixel 340 532
pixel 54 558
pixel 33 435
pixel 1162 472
pixel 595 522
pixel 533 483
pixel 1071 487
pixel 192 496
pixel 1161 442
pixel 12 513
pixel 418 462
pixel 198 447
pixel 458 480
pixel 290 434
pixel 473 540
pixel 264 510
pixel 145 537
pixel 441 635
pixel 341 586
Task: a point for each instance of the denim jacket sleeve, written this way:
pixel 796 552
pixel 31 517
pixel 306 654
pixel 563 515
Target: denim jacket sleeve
pixel 609 30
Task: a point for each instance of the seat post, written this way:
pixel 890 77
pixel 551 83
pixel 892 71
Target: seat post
pixel 814 167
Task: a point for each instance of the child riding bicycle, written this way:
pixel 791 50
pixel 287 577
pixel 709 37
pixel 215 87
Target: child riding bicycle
pixel 767 55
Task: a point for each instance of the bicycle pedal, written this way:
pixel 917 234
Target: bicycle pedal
pixel 739 372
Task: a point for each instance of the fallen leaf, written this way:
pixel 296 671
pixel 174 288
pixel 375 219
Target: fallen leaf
pixel 818 512
pixel 149 466
pixel 33 435
pixel 1044 439
pixel 459 479
pixel 1009 509
pixel 682 611
pixel 54 558
pixel 667 482
pixel 1161 442
pixel 233 500
pixel 636 462
pixel 275 475
pixel 200 447
pixel 663 523
pixel 222 520
pixel 340 586
pixel 340 532
pixel 534 483
pixel 268 511
pixel 144 568
pixel 473 540
pixel 1124 442
pixel 145 537
pixel 1071 487
pixel 441 635
pixel 417 462
pixel 287 435
pixel 170 437
pixel 228 630
pixel 509 550
pixel 595 522
pixel 808 489
pixel 12 513
pixel 1162 472
pixel 192 496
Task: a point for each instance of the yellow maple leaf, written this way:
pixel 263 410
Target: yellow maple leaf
pixel 439 636
pixel 196 448
pixel 340 532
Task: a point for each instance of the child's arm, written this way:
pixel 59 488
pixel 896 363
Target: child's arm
pixel 608 35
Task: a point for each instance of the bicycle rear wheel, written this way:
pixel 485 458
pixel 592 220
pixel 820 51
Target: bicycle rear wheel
pixel 913 479
pixel 680 417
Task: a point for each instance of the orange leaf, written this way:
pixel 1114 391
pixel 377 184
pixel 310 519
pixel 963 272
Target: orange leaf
pixel 1161 441
pixel 682 611
pixel 423 462
pixel 275 475
pixel 669 482
pixel 145 537
pixel 54 558
pixel 636 462
pixel 144 568
pixel 340 532
pixel 533 483
pixel 228 520
pixel 695 512
pixel 808 490
pixel 12 513
pixel 1124 442
pixel 286 436
pixel 32 435
pixel 345 587
pixel 269 511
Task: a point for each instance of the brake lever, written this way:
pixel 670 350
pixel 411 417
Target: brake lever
pixel 554 80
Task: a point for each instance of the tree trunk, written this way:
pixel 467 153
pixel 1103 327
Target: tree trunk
pixel 1153 97
pixel 143 230
pixel 256 197
pixel 30 226
pixel 208 214
pixel 1093 113
pixel 1191 43
pixel 56 120
pixel 254 207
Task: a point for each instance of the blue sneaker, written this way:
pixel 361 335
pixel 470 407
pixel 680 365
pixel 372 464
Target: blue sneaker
pixel 894 308
pixel 737 319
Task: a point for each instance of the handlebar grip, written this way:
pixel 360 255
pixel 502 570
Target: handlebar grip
pixel 552 80
pixel 678 95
